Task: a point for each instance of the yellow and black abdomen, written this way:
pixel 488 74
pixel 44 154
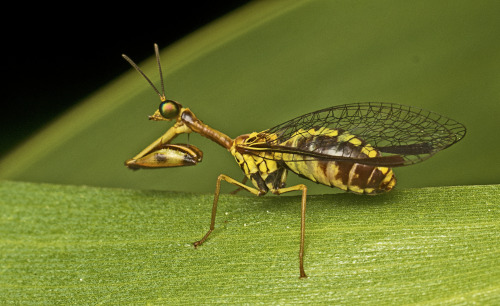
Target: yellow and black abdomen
pixel 346 175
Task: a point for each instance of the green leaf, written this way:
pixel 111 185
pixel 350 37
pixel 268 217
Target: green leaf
pixel 274 60
pixel 86 245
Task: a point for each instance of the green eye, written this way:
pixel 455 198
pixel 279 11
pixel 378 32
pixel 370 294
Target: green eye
pixel 169 109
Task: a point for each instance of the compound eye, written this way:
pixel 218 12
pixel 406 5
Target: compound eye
pixel 169 109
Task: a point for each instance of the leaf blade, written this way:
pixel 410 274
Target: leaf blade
pixel 81 244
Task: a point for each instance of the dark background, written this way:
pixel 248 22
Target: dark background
pixel 53 57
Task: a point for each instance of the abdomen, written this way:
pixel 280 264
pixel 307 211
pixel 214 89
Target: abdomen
pixel 346 175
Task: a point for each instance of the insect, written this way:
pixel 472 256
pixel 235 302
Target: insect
pixel 352 147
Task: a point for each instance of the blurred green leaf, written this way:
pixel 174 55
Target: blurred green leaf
pixel 274 60
pixel 86 245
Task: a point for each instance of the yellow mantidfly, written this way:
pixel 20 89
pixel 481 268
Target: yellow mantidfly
pixel 352 147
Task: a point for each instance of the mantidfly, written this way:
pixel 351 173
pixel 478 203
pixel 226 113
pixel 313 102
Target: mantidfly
pixel 352 147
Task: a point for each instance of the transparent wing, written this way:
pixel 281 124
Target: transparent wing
pixel 402 135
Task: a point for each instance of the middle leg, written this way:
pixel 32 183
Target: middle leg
pixel 216 199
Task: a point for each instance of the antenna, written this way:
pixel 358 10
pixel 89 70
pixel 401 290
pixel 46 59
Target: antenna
pixel 131 62
pixel 157 52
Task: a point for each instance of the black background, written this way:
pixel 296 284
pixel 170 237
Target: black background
pixel 53 57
